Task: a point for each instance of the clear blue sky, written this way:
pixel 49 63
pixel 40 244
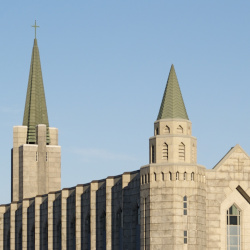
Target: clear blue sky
pixel 105 66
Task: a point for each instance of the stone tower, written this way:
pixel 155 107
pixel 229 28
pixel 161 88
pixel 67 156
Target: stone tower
pixel 173 192
pixel 36 156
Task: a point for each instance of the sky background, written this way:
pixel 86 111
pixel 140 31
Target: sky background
pixel 105 65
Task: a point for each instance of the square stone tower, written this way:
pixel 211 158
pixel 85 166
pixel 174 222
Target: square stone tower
pixel 36 156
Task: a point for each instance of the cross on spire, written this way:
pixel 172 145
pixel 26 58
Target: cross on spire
pixel 35 26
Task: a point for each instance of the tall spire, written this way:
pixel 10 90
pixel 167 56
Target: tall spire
pixel 172 105
pixel 35 111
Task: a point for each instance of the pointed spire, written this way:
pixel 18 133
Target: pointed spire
pixel 172 105
pixel 35 111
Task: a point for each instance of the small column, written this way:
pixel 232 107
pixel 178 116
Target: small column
pixel 25 204
pixel 2 211
pixel 109 185
pixel 65 195
pixel 13 208
pixel 93 188
pixel 38 202
pixel 78 206
pixel 51 198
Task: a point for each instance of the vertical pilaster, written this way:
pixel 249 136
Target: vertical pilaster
pixel 13 208
pixel 25 204
pixel 2 211
pixel 38 202
pixel 51 198
pixel 79 191
pixel 42 167
pixel 19 138
pixel 65 195
pixel 109 185
pixel 93 188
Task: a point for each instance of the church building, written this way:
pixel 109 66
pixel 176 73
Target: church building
pixel 172 203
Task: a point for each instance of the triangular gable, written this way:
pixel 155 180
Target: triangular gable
pixel 236 156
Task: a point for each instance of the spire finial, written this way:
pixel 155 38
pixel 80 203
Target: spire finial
pixel 35 26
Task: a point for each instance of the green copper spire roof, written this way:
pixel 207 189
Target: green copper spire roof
pixel 172 105
pixel 35 107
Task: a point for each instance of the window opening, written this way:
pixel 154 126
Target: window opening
pixel 177 175
pixel 185 237
pixel 233 228
pixel 153 153
pixel 192 176
pixel 167 130
pixel 185 205
pixel 165 151
pixel 170 176
pixel 180 130
pixel 155 176
pixel 162 176
pixel 185 176
pixel 182 152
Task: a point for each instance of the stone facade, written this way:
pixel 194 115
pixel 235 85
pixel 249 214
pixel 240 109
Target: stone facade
pixel 171 203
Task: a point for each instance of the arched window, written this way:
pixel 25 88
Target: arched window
pixel 192 176
pixel 167 130
pixel 155 176
pixel 157 131
pixel 185 176
pixel 165 151
pixel 233 228
pixel 180 129
pixel 145 178
pixel 181 151
pixel 170 176
pixel 142 182
pixel 162 176
pixel 185 205
pixel 152 154
pixel 177 175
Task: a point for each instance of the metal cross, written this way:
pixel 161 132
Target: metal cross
pixel 35 26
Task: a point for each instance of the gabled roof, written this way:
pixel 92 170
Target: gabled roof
pixel 236 148
pixel 172 105
pixel 35 111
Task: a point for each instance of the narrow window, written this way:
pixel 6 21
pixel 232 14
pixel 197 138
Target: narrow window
pixel 185 237
pixel 155 176
pixel 233 228
pixel 177 175
pixel 165 151
pixel 157 131
pixel 162 176
pixel 192 176
pixel 46 156
pixel 180 130
pixel 167 130
pixel 36 156
pixel 170 176
pixel 142 180
pixel 182 152
pixel 148 178
pixel 185 205
pixel 153 153
pixel 185 176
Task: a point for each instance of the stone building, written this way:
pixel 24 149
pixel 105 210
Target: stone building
pixel 171 203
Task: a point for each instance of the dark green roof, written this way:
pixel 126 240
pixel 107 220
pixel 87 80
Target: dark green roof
pixel 35 111
pixel 172 105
